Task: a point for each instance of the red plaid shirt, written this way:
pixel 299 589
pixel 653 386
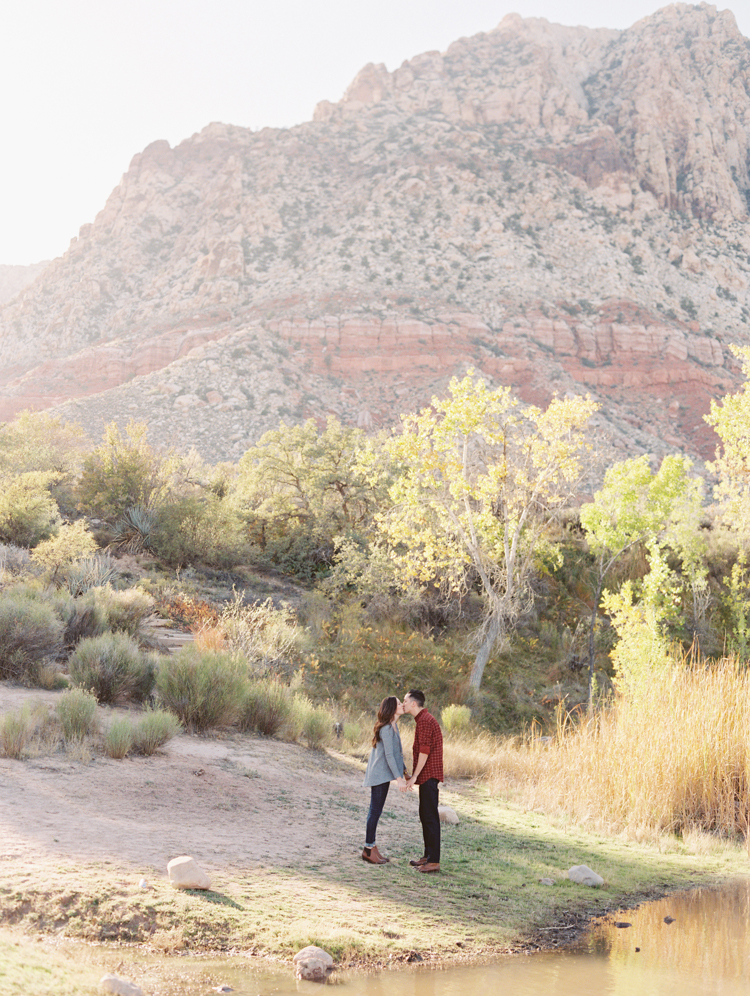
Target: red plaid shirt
pixel 428 739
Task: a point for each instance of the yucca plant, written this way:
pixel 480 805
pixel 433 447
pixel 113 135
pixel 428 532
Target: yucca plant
pixel 134 529
pixel 91 572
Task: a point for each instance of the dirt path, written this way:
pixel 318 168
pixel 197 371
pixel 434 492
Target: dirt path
pixel 239 800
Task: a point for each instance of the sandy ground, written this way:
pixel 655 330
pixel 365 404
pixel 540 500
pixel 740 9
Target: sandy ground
pixel 236 800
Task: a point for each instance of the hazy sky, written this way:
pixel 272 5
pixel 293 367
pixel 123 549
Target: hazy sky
pixel 88 83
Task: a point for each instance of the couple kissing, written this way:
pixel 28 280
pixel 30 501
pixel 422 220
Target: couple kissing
pixel 386 764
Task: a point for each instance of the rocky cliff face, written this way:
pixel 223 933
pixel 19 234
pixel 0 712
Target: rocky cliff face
pixel 15 278
pixel 562 208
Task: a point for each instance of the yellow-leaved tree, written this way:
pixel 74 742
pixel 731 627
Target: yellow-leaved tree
pixel 482 477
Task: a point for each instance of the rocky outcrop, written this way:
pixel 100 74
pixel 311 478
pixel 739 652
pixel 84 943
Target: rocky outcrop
pixel 563 209
pixel 14 278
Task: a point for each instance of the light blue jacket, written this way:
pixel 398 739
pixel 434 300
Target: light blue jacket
pixel 386 761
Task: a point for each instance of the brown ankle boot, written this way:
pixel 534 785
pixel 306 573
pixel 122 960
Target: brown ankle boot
pixel 374 857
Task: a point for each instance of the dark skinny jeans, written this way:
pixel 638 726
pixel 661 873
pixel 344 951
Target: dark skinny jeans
pixel 378 795
pixel 430 819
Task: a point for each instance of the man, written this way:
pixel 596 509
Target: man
pixel 427 771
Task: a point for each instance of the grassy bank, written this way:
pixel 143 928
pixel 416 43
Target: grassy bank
pixel 487 899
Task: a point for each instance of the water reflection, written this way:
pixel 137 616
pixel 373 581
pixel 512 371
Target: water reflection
pixel 705 951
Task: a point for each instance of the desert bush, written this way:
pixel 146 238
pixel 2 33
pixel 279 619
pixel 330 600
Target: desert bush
pixel 76 711
pixel 82 618
pixel 119 738
pixel 16 730
pixel 91 572
pixel 13 559
pixel 112 667
pixel 268 638
pixel 267 707
pixel 28 512
pixel 198 529
pixel 202 688
pixel 154 729
pixel 125 611
pixel 72 542
pixel 312 723
pixel 455 719
pixel 354 732
pixel 30 632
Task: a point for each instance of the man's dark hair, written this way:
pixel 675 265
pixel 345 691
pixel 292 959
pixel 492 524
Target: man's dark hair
pixel 417 696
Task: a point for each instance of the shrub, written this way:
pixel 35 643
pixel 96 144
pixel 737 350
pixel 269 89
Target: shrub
pixel 82 617
pixel 16 730
pixel 203 688
pixel 119 738
pixel 313 723
pixel 455 719
pixel 125 611
pixel 91 572
pixel 267 637
pixel 112 667
pixel 192 529
pixel 29 632
pixel 72 543
pixel 76 711
pixel 28 512
pixel 13 558
pixel 267 707
pixel 155 728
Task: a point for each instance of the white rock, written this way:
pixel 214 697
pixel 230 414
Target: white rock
pixel 546 881
pixel 583 875
pixel 112 984
pixel 312 970
pixel 447 815
pixel 184 873
pixel 313 964
pixel 312 951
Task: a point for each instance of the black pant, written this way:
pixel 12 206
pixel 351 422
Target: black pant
pixel 378 794
pixel 430 819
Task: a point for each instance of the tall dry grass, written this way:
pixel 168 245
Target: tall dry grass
pixel 674 757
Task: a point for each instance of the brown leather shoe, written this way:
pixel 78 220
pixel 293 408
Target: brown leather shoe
pixel 430 866
pixel 418 862
pixel 374 857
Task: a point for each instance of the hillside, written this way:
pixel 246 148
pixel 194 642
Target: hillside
pixel 563 208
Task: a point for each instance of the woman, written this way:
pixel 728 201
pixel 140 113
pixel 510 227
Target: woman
pixel 386 764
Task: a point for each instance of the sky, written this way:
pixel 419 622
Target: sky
pixel 89 83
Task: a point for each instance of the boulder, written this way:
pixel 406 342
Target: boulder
pixel 313 964
pixel 184 873
pixel 121 987
pixel 447 815
pixel 583 875
pixel 546 881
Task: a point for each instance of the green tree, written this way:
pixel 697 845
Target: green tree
pixel 37 442
pixel 730 419
pixel 300 487
pixel 482 477
pixel 636 506
pixel 28 512
pixel 121 472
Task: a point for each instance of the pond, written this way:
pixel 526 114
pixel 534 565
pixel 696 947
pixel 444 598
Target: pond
pixel 694 943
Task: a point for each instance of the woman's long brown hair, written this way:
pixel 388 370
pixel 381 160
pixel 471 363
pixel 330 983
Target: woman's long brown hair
pixel 386 712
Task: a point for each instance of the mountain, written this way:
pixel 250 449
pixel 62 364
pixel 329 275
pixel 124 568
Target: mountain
pixel 14 278
pixel 564 209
